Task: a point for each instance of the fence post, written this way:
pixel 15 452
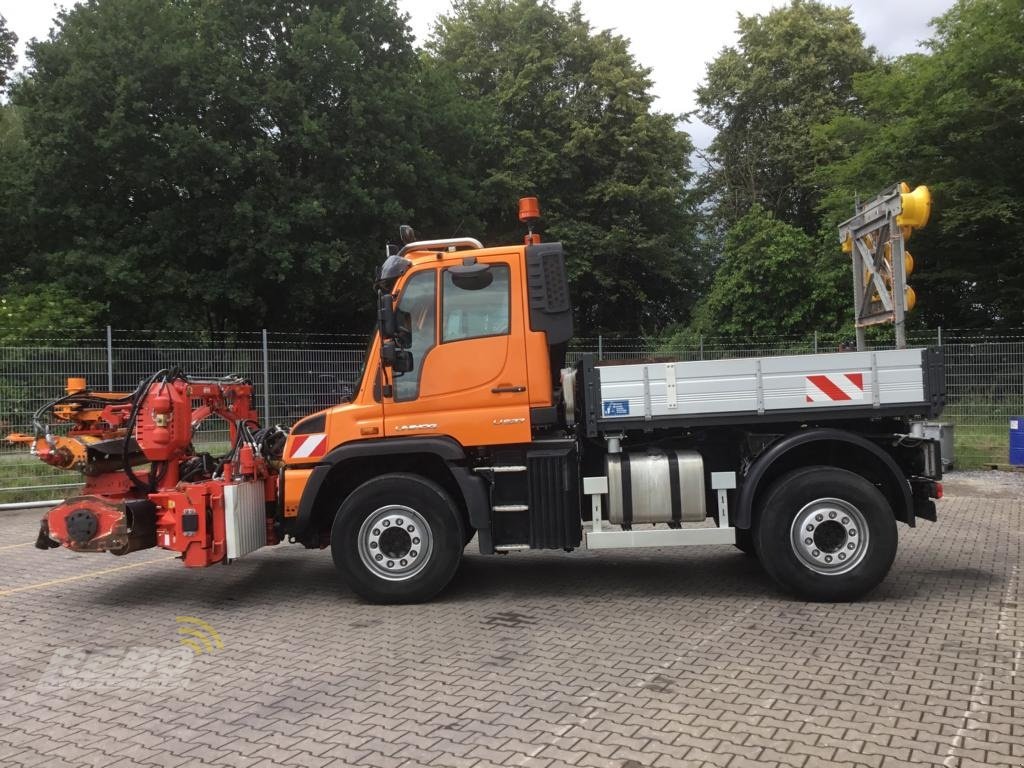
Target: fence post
pixel 266 380
pixel 815 342
pixel 940 335
pixel 600 347
pixel 110 359
pixel 702 346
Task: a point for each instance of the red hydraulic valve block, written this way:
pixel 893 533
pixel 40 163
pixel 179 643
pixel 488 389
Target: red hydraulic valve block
pixel 164 428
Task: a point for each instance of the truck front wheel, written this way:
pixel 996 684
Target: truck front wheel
pixel 826 534
pixel 397 539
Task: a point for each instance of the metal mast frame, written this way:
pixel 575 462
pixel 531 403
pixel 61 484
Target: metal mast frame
pixel 879 283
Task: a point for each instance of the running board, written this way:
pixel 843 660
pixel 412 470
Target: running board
pixel 659 537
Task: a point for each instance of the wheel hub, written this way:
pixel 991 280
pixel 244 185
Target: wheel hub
pixel 395 542
pixel 829 536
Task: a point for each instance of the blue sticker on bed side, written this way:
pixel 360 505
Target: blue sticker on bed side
pixel 615 407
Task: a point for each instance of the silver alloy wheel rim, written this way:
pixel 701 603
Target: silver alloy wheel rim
pixel 395 543
pixel 830 536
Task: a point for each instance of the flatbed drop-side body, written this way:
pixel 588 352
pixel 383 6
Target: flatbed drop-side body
pixel 483 430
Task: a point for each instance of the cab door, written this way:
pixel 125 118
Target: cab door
pixel 469 377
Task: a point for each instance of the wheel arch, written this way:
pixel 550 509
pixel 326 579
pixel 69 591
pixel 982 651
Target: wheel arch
pixel 830 447
pixel 345 468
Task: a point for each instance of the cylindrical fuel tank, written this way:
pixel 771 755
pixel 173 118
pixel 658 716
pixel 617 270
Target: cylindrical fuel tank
pixel 655 486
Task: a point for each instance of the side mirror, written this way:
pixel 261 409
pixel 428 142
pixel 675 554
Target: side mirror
pixel 398 360
pixel 386 313
pixel 403 361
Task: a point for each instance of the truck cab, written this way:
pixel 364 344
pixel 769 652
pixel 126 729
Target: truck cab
pixel 482 334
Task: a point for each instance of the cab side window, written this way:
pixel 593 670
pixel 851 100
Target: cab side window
pixel 471 314
pixel 417 316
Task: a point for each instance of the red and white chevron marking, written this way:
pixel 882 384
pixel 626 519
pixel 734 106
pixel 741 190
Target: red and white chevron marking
pixel 309 446
pixel 834 387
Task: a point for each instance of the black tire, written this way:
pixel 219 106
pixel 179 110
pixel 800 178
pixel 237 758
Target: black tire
pixel 745 542
pixel 813 502
pixel 388 505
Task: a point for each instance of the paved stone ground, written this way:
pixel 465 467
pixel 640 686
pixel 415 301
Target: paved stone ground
pixel 674 658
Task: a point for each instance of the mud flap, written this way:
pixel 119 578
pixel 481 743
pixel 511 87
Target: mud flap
pixel 923 492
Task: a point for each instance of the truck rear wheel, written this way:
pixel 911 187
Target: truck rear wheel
pixel 826 534
pixel 397 539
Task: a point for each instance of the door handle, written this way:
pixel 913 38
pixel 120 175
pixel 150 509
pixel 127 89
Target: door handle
pixel 508 388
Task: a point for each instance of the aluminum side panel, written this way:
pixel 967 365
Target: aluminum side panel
pixel 701 387
pixel 792 382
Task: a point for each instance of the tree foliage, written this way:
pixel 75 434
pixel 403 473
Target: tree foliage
pixel 565 112
pixel 791 69
pixel 774 280
pixel 950 119
pixel 225 164
pixel 45 311
pixel 8 40
pixel 14 194
pixel 230 164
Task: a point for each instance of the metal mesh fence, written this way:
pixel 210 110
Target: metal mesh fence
pixel 30 377
pixel 296 374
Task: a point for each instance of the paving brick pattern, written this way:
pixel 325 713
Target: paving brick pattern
pixel 618 660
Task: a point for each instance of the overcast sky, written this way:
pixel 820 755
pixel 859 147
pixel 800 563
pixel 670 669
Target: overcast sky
pixel 674 38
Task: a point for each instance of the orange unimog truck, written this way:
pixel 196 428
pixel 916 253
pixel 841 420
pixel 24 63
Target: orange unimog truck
pixel 467 422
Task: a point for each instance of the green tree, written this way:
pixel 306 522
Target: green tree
pixel 8 40
pixel 559 110
pixel 14 191
pixel 791 69
pixel 774 280
pixel 44 311
pixel 225 164
pixel 950 119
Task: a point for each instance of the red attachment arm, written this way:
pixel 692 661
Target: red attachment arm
pixel 135 508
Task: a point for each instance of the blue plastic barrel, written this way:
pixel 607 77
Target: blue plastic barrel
pixel 1017 441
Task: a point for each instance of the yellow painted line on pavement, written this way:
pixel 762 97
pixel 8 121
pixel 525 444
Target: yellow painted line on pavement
pixel 54 582
pixel 23 544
